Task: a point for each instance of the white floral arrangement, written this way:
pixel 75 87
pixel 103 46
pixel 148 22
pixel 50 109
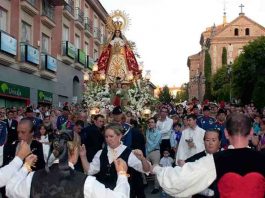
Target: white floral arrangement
pixel 97 96
pixel 139 96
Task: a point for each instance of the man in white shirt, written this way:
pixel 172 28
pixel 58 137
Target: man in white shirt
pixel 164 125
pixel 239 171
pixel 191 141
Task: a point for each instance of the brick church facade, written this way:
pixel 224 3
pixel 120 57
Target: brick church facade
pixel 233 36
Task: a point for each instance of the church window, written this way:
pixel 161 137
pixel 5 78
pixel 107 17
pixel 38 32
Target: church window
pixel 247 31
pixel 236 32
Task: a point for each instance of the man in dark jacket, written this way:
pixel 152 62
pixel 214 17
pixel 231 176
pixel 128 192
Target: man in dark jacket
pixel 11 124
pixel 25 132
pixel 92 137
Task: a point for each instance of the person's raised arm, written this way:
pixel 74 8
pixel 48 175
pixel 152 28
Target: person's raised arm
pixel 19 185
pixel 188 180
pixel 8 171
pixel 83 157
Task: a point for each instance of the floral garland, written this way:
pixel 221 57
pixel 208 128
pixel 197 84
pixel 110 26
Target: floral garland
pixel 97 96
pixel 139 97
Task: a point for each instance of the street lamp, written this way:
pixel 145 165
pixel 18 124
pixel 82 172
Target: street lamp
pixel 86 77
pixel 229 73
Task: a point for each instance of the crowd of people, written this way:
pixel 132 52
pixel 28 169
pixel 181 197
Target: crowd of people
pixel 112 155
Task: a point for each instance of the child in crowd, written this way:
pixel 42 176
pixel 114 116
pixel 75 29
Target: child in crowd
pixel 44 140
pixel 166 160
pixel 175 137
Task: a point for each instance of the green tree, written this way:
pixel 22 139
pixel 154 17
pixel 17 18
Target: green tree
pixel 224 56
pixel 165 96
pixel 183 94
pixel 248 73
pixel 221 86
pixel 208 76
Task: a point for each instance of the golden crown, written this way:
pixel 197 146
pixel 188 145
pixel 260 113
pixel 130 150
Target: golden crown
pixel 118 25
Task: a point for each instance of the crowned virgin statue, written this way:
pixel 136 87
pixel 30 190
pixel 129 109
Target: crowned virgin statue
pixel 117 59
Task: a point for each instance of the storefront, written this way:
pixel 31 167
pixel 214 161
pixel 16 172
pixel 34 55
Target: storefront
pixel 13 95
pixel 45 98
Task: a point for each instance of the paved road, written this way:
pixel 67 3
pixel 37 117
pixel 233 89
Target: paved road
pixel 148 190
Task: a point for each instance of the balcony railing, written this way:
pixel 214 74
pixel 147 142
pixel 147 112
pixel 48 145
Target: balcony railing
pixel 88 25
pixel 48 11
pixel 69 6
pixel 97 33
pixel 79 15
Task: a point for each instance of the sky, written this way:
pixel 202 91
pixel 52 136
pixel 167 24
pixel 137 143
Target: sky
pixel 166 32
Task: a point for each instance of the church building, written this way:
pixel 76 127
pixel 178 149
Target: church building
pixel 233 36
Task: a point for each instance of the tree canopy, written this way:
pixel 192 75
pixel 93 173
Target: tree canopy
pixel 249 73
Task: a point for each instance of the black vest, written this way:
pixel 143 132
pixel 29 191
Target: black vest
pixel 240 161
pixel 108 173
pixel 57 184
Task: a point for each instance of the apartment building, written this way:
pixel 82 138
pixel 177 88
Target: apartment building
pixel 45 47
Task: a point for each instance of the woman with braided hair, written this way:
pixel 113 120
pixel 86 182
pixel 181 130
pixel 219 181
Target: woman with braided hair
pixel 61 180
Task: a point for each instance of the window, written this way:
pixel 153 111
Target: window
pixel 26 32
pixel 86 48
pixel 65 33
pixel 247 31
pixel 45 43
pixel 77 41
pixel 3 20
pixel 236 32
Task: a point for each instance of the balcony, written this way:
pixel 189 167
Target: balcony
pixel 8 49
pixel 80 60
pixel 88 27
pixel 29 58
pixel 48 66
pixel 47 17
pixel 29 6
pixel 68 52
pixel 57 2
pixel 97 35
pixel 79 18
pixel 68 10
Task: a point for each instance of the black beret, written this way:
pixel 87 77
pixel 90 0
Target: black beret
pixel 206 108
pixel 221 111
pixel 29 109
pixel 117 110
pixel 65 108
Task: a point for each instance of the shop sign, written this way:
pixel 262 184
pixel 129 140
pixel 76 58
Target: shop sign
pixel 44 96
pixel 9 89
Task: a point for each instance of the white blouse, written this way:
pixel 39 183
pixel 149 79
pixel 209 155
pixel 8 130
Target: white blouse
pixel 20 184
pixel 9 170
pixel 113 154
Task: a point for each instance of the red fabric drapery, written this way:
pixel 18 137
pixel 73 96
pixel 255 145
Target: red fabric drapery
pixel 103 61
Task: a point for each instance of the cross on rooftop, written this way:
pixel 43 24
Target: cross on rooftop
pixel 241 7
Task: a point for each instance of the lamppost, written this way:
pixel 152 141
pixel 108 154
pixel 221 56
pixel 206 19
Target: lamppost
pixel 229 73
